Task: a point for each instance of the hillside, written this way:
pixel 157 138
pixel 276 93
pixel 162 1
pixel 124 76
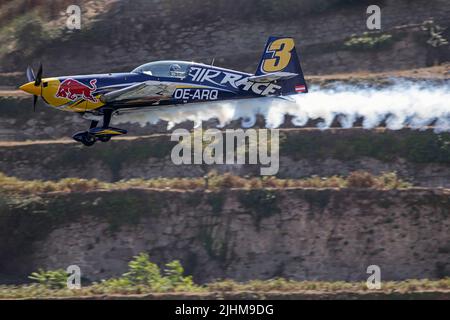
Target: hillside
pixel 326 229
pixel 297 233
pixel 421 157
pixel 232 34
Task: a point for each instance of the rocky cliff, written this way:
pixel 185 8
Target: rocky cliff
pixel 311 234
pixel 421 157
pixel 231 32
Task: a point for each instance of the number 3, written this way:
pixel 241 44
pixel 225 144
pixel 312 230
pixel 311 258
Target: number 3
pixel 281 50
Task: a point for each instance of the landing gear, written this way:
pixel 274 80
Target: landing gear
pixel 104 138
pixel 103 133
pixel 85 138
pixel 94 123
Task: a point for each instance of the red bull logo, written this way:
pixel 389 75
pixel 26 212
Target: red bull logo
pixel 73 89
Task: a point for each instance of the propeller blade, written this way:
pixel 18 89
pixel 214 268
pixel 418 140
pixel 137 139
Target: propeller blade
pixel 30 74
pixel 35 98
pixel 38 80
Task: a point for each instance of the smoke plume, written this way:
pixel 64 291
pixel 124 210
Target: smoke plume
pixel 415 105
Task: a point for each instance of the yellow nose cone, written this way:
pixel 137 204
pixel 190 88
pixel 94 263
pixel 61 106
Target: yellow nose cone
pixel 31 88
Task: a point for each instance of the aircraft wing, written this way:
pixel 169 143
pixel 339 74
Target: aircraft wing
pixel 151 90
pixel 273 76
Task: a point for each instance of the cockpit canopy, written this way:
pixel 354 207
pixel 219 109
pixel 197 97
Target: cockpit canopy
pixel 169 69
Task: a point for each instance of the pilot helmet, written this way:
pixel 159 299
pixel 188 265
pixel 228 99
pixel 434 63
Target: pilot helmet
pixel 175 70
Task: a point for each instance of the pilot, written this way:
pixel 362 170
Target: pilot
pixel 176 71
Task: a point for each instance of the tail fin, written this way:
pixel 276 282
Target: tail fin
pixel 280 60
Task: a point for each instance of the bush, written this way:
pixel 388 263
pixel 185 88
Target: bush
pixel 145 274
pixel 387 180
pixel 80 185
pixel 390 180
pixel 174 272
pixel 142 271
pixel 361 179
pixel 52 279
pixel 368 41
pixel 213 181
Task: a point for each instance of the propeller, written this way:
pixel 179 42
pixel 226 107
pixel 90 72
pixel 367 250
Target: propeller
pixel 38 76
pixel 37 81
pixel 30 74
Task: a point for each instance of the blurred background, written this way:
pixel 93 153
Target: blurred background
pixel 357 197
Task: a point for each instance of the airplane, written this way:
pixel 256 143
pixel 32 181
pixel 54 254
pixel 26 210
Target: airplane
pixel 167 83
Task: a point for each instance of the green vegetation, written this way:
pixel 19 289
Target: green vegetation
pixel 14 185
pixel 286 285
pixel 146 274
pixel 368 41
pixel 52 279
pixel 436 38
pixel 142 276
pixel 145 277
pixel 362 179
pixel 214 182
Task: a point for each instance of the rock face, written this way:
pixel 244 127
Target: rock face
pixel 422 158
pixel 305 234
pixel 234 34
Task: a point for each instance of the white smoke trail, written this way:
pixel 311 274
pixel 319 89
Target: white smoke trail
pixel 408 104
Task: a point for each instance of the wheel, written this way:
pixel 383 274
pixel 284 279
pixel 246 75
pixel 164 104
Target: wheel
pixel 85 138
pixel 88 140
pixel 104 138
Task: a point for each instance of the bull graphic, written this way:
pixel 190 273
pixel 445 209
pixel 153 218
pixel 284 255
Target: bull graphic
pixel 73 89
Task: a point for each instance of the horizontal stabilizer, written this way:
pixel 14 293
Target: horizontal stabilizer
pixel 273 76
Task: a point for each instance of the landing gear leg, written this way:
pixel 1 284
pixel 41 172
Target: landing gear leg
pixel 94 124
pixel 107 113
pixel 106 120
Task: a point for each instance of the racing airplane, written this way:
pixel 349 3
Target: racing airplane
pixel 163 84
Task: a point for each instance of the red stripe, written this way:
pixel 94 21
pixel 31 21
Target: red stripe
pixel 300 88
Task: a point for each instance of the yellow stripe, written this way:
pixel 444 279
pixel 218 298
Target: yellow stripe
pixel 107 131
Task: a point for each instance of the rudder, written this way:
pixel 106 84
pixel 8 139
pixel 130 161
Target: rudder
pixel 280 55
